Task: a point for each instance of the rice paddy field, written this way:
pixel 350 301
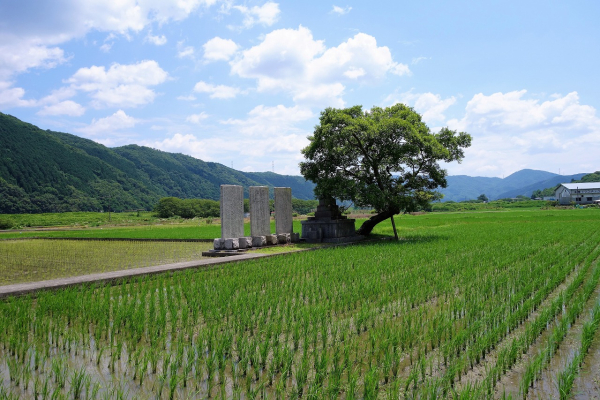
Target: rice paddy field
pixel 33 260
pixel 473 305
pixel 191 229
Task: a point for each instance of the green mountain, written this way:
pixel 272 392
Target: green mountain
pixel 549 183
pixel 523 182
pixel 46 171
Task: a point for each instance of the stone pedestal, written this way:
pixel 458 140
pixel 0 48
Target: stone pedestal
pixel 271 240
pixel 284 222
pixel 329 225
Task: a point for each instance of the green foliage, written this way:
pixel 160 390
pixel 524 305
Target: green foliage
pixel 303 207
pixel 593 177
pixel 6 223
pixel 383 158
pixel 168 207
pixel 548 192
pixel 482 197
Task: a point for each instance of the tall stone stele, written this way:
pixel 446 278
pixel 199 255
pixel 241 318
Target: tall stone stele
pixel 284 222
pixel 232 216
pixel 260 215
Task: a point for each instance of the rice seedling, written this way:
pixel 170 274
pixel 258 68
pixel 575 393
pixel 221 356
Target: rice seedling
pixel 404 319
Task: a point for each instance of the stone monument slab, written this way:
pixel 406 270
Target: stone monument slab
pixel 232 211
pixel 284 222
pixel 260 215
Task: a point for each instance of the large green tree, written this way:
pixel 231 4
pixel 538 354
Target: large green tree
pixel 387 159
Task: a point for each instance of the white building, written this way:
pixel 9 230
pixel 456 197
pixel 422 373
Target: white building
pixel 578 193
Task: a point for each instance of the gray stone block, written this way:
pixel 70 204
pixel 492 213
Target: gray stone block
pixel 284 238
pixel 219 244
pixel 260 215
pixel 259 241
pixel 232 211
pixel 295 237
pixel 271 240
pixel 284 222
pixel 245 242
pixel 232 244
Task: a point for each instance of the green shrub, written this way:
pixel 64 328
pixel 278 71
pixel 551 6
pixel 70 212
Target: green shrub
pixel 6 223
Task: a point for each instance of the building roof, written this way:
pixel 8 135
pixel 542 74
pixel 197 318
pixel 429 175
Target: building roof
pixel 582 185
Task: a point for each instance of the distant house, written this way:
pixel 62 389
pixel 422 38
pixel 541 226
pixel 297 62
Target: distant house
pixel 578 193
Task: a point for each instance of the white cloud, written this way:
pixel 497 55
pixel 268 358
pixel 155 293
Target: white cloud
pixel 120 85
pixel 417 60
pixel 266 15
pixel 293 61
pixel 268 134
pixel 217 49
pixel 106 47
pixel 511 132
pixel 340 10
pixel 185 52
pixel 119 120
pixel 13 96
pixel 191 97
pixel 67 107
pixel 216 91
pixel 31 29
pixel 58 95
pixel 156 40
pixel 17 56
pixel 197 118
pixel 430 106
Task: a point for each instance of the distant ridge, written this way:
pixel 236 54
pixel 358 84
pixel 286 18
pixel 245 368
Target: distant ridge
pixel 47 171
pixel 523 182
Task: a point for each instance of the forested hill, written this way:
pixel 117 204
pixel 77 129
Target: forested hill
pixel 46 171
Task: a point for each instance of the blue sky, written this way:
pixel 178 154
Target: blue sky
pixel 243 83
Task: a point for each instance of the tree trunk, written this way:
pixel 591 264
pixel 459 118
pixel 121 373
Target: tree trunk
pixel 367 227
pixel 394 226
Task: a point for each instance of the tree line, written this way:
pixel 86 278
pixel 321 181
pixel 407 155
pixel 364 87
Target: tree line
pixel 168 207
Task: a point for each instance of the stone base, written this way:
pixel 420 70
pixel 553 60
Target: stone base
pixel 232 244
pixel 271 240
pixel 295 237
pixel 284 238
pixel 246 242
pixel 328 230
pixel 259 241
